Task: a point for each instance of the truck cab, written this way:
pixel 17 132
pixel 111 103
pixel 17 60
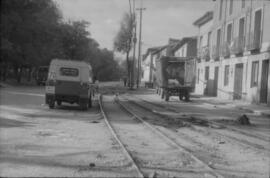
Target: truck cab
pixel 71 82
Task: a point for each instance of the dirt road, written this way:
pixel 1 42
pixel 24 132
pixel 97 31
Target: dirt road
pixel 67 142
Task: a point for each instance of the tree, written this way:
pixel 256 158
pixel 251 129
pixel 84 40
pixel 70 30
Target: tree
pixel 123 40
pixel 27 27
pixel 33 33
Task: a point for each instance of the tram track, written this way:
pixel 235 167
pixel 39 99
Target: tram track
pixel 211 124
pixel 125 151
pixel 165 162
pixel 208 145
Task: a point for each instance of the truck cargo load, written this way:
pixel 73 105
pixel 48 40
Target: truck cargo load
pixel 175 76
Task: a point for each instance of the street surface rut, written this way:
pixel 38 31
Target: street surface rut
pixel 151 153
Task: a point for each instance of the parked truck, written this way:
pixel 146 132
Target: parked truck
pixel 175 77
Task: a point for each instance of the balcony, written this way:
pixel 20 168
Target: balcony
pixel 254 41
pixel 215 52
pixel 238 45
pixel 204 53
pixel 225 50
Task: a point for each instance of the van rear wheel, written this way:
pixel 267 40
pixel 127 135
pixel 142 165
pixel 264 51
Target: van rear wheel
pixel 84 106
pixel 90 102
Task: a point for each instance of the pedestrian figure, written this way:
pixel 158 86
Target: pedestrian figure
pixel 125 81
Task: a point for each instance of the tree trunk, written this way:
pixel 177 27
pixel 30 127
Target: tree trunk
pixel 29 76
pixel 19 74
pixel 128 68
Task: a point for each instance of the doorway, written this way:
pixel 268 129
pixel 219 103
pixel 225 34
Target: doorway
pixel 216 81
pixel 238 79
pixel 264 81
pixel 206 79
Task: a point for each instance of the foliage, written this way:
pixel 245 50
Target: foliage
pixel 33 33
pixel 123 40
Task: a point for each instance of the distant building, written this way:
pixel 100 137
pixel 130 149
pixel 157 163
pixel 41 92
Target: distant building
pixel 239 48
pixel 186 47
pixel 206 81
pixel 149 65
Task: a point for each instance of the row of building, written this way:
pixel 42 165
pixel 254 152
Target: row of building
pixel 232 51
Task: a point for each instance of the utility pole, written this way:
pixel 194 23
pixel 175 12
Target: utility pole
pixel 134 27
pixel 140 43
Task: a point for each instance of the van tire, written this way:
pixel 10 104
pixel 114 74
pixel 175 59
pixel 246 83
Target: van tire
pixel 90 102
pixel 84 105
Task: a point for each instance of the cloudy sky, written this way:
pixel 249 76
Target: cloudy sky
pixel 162 19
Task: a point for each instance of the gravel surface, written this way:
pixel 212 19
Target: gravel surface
pixel 63 142
pixel 66 142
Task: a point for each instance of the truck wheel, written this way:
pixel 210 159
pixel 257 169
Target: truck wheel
pixel 59 102
pixel 181 96
pixel 162 94
pixel 167 97
pixel 187 96
pixel 51 104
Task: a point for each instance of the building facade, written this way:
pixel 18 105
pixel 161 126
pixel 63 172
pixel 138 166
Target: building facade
pixel 239 53
pixel 149 64
pixel 206 80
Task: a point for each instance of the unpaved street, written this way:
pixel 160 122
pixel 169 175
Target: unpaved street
pixel 65 142
pixel 201 140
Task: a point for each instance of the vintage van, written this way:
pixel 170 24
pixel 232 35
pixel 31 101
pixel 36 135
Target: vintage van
pixel 69 81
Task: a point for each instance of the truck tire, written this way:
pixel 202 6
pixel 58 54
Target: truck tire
pixel 187 96
pixel 59 102
pixel 51 104
pixel 167 98
pixel 181 96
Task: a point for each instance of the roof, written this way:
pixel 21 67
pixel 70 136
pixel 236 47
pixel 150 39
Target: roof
pixel 204 19
pixel 70 63
pixel 182 42
pixel 153 50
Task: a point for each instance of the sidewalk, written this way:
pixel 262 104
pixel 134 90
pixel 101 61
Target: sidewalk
pixel 261 109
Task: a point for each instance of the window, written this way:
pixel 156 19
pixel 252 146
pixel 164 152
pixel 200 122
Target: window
pixel 229 33
pixel 231 6
pixel 201 41
pixel 206 75
pixel 243 3
pixel 226 75
pixel 257 27
pixel 209 39
pixel 71 72
pixel 254 74
pixel 241 31
pixel 220 9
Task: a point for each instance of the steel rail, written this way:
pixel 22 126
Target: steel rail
pixel 127 154
pixel 213 123
pixel 232 139
pixel 170 140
